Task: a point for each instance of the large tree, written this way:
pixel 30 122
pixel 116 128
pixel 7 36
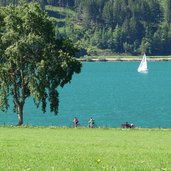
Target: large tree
pixel 32 61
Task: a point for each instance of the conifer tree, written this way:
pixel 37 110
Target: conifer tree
pixel 168 11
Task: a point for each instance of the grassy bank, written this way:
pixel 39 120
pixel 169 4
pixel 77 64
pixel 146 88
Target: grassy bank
pixel 83 149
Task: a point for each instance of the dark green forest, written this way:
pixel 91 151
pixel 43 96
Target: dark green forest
pixel 112 26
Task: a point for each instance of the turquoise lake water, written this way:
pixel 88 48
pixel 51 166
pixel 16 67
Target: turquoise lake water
pixel 112 93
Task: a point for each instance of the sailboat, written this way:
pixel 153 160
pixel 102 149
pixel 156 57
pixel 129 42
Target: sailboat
pixel 143 65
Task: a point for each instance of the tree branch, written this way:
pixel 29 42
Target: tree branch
pixel 16 100
pixel 22 87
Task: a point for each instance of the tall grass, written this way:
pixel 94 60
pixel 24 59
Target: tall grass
pixel 79 149
pixel 60 10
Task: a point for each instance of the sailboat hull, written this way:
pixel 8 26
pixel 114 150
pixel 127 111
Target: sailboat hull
pixel 143 71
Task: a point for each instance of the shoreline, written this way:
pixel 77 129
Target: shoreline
pixel 124 59
pixel 82 127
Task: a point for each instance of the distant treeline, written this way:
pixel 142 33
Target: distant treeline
pixel 120 26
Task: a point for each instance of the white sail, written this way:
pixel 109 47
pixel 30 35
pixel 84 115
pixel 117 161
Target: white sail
pixel 143 65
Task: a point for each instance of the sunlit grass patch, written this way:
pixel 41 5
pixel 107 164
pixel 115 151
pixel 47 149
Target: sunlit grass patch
pixel 47 148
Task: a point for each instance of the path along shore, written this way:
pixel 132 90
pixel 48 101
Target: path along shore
pixel 120 59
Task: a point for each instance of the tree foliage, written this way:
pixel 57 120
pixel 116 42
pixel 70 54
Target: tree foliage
pixel 32 61
pixel 139 21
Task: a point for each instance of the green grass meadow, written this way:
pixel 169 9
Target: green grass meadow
pixel 84 149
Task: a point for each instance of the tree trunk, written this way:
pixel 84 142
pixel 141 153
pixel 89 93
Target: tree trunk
pixel 20 115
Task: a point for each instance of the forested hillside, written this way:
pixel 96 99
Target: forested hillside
pixel 113 26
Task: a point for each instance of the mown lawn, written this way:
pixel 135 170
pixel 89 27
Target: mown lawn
pixel 83 149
